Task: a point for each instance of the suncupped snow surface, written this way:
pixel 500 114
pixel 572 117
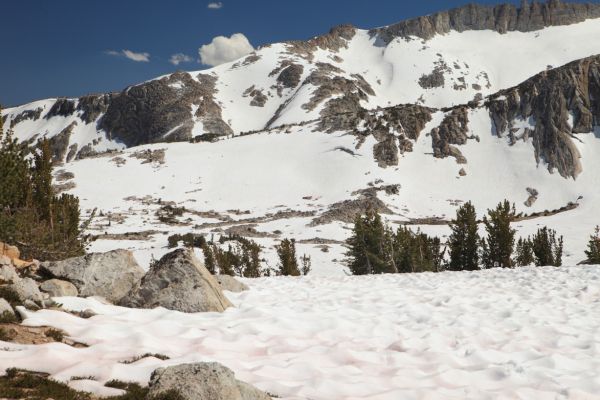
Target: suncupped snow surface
pixel 529 333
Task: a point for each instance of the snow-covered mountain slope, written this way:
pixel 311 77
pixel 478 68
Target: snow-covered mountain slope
pixel 445 60
pixel 296 138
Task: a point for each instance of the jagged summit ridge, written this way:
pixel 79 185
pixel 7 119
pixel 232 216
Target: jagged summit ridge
pixel 501 18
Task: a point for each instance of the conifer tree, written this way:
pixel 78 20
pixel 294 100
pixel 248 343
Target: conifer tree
pixel 43 225
pixel 593 251
pixel 42 182
pixel 464 240
pixel 288 264
pixel 251 259
pixel 369 245
pixel 524 252
pixel 547 249
pixel 209 258
pixel 497 247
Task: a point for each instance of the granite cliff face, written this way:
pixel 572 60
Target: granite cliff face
pixel 160 110
pixel 559 104
pixel 501 18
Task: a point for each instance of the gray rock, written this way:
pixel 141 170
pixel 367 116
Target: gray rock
pixel 145 113
pixel 25 115
pixel 550 98
pixel 27 289
pixel 178 281
pixel 6 309
pixel 110 275
pixel 462 172
pixel 58 288
pixel 228 282
pixel 452 131
pixel 202 381
pixel 62 107
pixel 8 274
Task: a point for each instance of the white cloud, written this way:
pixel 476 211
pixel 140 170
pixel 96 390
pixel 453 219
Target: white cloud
pixel 179 58
pixel 223 49
pixel 215 5
pixel 139 57
pixel 132 55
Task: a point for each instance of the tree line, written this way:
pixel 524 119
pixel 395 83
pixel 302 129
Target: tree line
pixel 375 248
pixel 236 255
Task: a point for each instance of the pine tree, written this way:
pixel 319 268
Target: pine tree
pixel 43 195
pixel 593 251
pixel 209 258
pixel 547 249
pixel 370 246
pixel 464 240
pixel 524 252
pixel 288 264
pixel 251 259
pixel 497 248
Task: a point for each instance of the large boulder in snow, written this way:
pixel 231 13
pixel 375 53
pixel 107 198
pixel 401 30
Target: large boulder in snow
pixel 110 275
pixel 58 288
pixel 27 289
pixel 178 281
pixel 228 282
pixel 202 381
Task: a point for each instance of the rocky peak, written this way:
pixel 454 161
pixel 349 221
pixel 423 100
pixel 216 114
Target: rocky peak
pixel 500 18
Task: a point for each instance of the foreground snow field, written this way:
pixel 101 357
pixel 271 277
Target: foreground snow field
pixel 530 333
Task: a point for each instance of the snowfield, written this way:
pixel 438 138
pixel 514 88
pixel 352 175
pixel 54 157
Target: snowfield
pixel 530 333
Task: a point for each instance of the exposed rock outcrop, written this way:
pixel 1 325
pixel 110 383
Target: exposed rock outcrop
pixel 160 110
pixel 501 18
pixel 92 106
pixel 201 381
pixel 178 281
pixel 111 275
pixel 26 115
pixel 61 107
pixel 347 210
pixel 452 131
pixel 336 39
pixel 548 100
pixel 59 144
pixel 258 97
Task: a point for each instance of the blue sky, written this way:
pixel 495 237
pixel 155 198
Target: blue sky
pixel 74 47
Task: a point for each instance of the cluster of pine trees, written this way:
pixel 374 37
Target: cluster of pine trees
pixel 374 248
pixel 242 256
pixel 44 226
pixel 469 251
